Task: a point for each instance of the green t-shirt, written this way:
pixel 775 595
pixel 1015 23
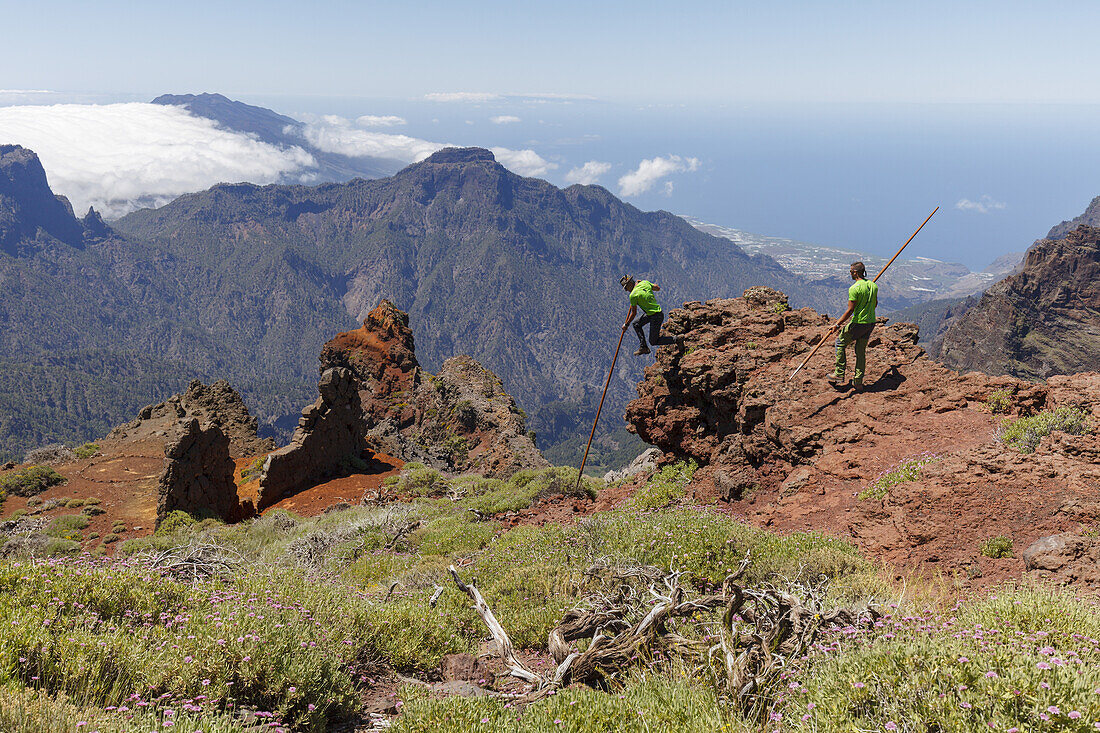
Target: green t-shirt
pixel 865 295
pixel 642 296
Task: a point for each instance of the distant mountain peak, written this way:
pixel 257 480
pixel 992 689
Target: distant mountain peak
pixel 461 155
pixel 27 204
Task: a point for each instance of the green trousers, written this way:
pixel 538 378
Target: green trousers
pixel 859 334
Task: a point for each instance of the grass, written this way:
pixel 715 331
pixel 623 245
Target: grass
pixel 30 481
pixel 320 606
pixel 908 470
pixel 1025 433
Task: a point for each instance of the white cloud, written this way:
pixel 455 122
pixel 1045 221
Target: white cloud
pixel 652 170
pixel 334 134
pixel 463 97
pixel 984 205
pixel 588 173
pixel 523 162
pixel 118 157
pixel 379 121
pixel 503 119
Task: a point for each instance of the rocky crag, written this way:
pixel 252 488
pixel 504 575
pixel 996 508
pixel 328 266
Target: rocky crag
pixel 1041 321
pixel 797 454
pixel 375 398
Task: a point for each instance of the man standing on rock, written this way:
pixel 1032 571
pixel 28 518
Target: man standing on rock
pixel 641 296
pixel 862 299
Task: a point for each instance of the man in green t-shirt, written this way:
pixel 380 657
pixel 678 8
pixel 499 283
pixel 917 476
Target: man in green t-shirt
pixel 641 296
pixel 862 299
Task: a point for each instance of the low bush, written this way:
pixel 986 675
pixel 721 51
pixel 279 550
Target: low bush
pixel 87 450
pixel 30 481
pixel 999 546
pixel 1025 433
pixel 490 496
pixel 453 535
pixel 665 487
pixel 175 521
pixel 908 470
pixel 53 453
pixel 254 469
pixel 67 527
pixel 416 479
pixel 999 401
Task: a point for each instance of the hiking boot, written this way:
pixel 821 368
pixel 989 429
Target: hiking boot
pixel 837 383
pixel 858 387
pixel 643 349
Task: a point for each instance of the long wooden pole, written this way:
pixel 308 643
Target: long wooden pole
pixel 580 473
pixel 827 333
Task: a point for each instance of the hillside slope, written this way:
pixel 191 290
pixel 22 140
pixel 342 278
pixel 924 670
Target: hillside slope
pixel 1043 320
pixel 513 271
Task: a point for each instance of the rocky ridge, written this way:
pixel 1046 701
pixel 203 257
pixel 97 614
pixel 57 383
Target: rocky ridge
pixel 797 454
pixel 376 399
pixel 1041 321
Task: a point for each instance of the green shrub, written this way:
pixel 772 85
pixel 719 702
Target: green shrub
pixel 999 546
pixel 1024 433
pixel 665 487
pixel 457 448
pixel 453 535
pixel 110 538
pixel 62 546
pixel 780 307
pixel 30 481
pixel 87 450
pixel 93 502
pixel 999 401
pixel 416 479
pixel 74 504
pixel 175 521
pixel 254 469
pixel 67 527
pixel 491 496
pixel 907 471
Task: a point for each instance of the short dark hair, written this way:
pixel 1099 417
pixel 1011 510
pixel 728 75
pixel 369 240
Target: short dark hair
pixel 860 269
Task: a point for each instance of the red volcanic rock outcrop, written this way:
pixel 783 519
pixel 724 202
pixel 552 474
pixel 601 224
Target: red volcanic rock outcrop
pixel 460 419
pixel 800 452
pixel 375 398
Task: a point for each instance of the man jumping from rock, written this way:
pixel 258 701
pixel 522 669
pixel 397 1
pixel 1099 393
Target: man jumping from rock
pixel 862 300
pixel 641 296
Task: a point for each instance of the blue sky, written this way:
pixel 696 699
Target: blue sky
pixel 834 123
pixel 713 52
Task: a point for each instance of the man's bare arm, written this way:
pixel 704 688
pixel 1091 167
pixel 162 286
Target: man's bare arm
pixel 847 313
pixel 630 316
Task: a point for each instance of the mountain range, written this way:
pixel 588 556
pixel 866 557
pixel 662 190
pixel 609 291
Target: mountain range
pixel 245 282
pixel 283 132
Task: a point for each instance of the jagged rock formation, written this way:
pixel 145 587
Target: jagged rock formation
pixel 796 454
pixel 461 419
pixel 217 404
pixel 1090 218
pixel 376 398
pixel 328 439
pixel 1041 321
pixel 198 472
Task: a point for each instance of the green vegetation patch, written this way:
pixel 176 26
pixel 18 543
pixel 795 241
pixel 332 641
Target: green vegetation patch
pixel 87 450
pixel 665 487
pixel 524 488
pixel 1024 433
pixel 999 401
pixel 907 471
pixel 999 546
pixel 30 481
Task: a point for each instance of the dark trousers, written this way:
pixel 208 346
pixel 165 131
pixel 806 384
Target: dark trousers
pixel 655 320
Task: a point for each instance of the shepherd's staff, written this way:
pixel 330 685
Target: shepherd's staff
pixel 599 409
pixel 829 332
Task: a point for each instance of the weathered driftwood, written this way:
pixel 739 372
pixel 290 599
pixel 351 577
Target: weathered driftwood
pixel 760 633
